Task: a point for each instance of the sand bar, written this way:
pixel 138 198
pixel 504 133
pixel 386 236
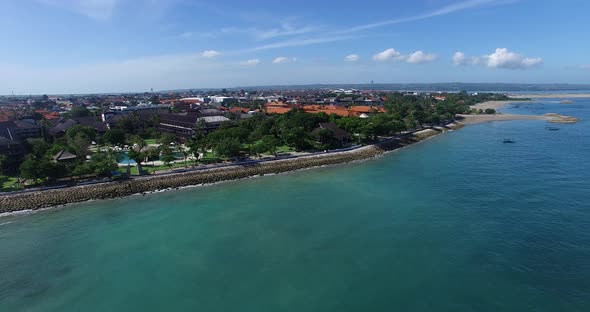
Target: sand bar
pixel 496 104
pixel 477 119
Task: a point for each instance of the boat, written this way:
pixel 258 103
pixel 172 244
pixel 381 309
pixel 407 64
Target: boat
pixel 552 128
pixel 508 141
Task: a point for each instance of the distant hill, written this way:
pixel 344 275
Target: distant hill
pixel 453 86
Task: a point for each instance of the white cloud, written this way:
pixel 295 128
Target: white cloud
pixel 442 11
pixel 420 57
pixel 295 43
pixel 285 31
pixel 284 59
pixel 352 58
pixel 95 9
pixel 252 62
pixel 386 55
pixel 503 58
pixel 210 53
pixel 459 59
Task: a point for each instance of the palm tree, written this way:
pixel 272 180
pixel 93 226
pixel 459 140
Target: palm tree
pixel 2 162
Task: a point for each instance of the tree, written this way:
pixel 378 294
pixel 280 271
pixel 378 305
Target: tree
pixel 31 169
pixel 102 165
pixel 114 137
pixel 2 163
pixel 80 111
pixel 258 148
pixel 88 132
pixel 271 144
pixel 81 169
pixel 296 137
pixel 326 139
pixel 138 156
pixel 228 147
pixel 167 138
pixel 79 144
pixel 167 156
pixel 182 150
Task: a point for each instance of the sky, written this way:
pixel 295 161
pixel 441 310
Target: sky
pixel 102 46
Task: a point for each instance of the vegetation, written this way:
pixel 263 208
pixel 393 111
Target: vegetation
pixel 256 136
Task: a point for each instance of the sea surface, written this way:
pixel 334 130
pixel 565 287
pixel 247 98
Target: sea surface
pixel 460 222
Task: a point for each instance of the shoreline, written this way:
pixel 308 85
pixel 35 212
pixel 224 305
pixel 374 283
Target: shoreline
pixel 497 104
pixel 24 203
pixel 550 96
pixel 550 117
pixel 481 118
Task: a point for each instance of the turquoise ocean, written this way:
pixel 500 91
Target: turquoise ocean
pixel 460 222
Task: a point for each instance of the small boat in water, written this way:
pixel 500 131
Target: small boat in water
pixel 508 141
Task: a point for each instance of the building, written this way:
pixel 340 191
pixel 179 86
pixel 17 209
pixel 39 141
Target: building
pixel 64 157
pixel 184 125
pixel 62 125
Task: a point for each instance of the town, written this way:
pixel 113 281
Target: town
pixel 58 140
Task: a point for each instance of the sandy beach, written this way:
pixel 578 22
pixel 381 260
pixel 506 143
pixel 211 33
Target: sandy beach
pixel 477 119
pixel 495 104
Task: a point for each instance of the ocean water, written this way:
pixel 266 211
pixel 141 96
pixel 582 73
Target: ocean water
pixel 461 222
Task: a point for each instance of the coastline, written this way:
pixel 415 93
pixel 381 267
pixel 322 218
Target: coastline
pixel 550 96
pixel 496 104
pixel 32 201
pixel 23 202
pixel 477 119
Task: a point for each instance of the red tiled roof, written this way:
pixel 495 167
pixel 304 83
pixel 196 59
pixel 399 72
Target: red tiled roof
pixel 238 109
pixel 277 110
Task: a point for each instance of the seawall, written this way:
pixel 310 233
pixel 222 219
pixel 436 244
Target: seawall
pixel 50 198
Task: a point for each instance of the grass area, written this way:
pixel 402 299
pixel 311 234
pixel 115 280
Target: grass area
pixel 209 158
pixel 284 149
pixel 8 183
pixel 150 141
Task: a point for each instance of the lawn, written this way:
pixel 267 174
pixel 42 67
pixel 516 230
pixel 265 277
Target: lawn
pixel 209 158
pixel 8 183
pixel 284 149
pixel 150 141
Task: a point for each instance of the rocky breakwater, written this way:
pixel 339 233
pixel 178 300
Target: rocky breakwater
pixel 50 198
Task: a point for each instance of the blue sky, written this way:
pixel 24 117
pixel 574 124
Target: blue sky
pixel 87 46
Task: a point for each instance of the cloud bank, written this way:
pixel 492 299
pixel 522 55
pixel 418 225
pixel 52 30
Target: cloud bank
pixel 501 58
pixel 417 57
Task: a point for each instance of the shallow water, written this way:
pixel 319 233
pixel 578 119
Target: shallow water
pixel 460 222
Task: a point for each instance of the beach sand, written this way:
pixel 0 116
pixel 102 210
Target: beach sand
pixel 496 104
pixel 477 119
